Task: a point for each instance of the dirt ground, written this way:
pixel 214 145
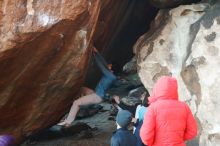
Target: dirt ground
pixel 99 134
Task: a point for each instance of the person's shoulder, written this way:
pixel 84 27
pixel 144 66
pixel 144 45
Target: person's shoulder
pixel 114 139
pixel 115 133
pixel 139 106
pixel 120 132
pixel 131 137
pixel 183 104
pixel 142 109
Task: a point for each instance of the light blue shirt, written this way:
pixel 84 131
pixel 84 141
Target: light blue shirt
pixel 142 112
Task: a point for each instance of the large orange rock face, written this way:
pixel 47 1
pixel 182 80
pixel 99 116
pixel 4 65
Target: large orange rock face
pixel 44 52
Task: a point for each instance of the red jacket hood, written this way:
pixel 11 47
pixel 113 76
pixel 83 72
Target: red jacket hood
pixel 165 88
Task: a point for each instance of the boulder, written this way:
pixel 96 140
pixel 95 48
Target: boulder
pixel 184 42
pixel 45 47
pixel 44 52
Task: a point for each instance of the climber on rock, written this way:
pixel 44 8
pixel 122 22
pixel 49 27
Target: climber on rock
pixel 92 97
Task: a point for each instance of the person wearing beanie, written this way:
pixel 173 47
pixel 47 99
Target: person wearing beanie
pixel 122 136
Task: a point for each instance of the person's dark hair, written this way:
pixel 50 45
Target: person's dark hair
pixel 145 101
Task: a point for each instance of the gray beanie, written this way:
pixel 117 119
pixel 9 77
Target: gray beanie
pixel 123 118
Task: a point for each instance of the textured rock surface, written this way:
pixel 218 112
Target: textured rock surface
pixel 119 26
pixel 45 48
pixel 44 52
pixel 185 42
pixel 170 3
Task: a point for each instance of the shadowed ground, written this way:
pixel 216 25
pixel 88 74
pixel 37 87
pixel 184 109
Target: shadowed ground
pixel 93 131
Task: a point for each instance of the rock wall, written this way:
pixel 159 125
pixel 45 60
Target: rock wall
pixel 45 48
pixel 120 25
pixel 185 42
pixel 44 51
pixel 171 3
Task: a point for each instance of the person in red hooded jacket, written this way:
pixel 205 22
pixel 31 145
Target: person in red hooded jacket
pixel 168 121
